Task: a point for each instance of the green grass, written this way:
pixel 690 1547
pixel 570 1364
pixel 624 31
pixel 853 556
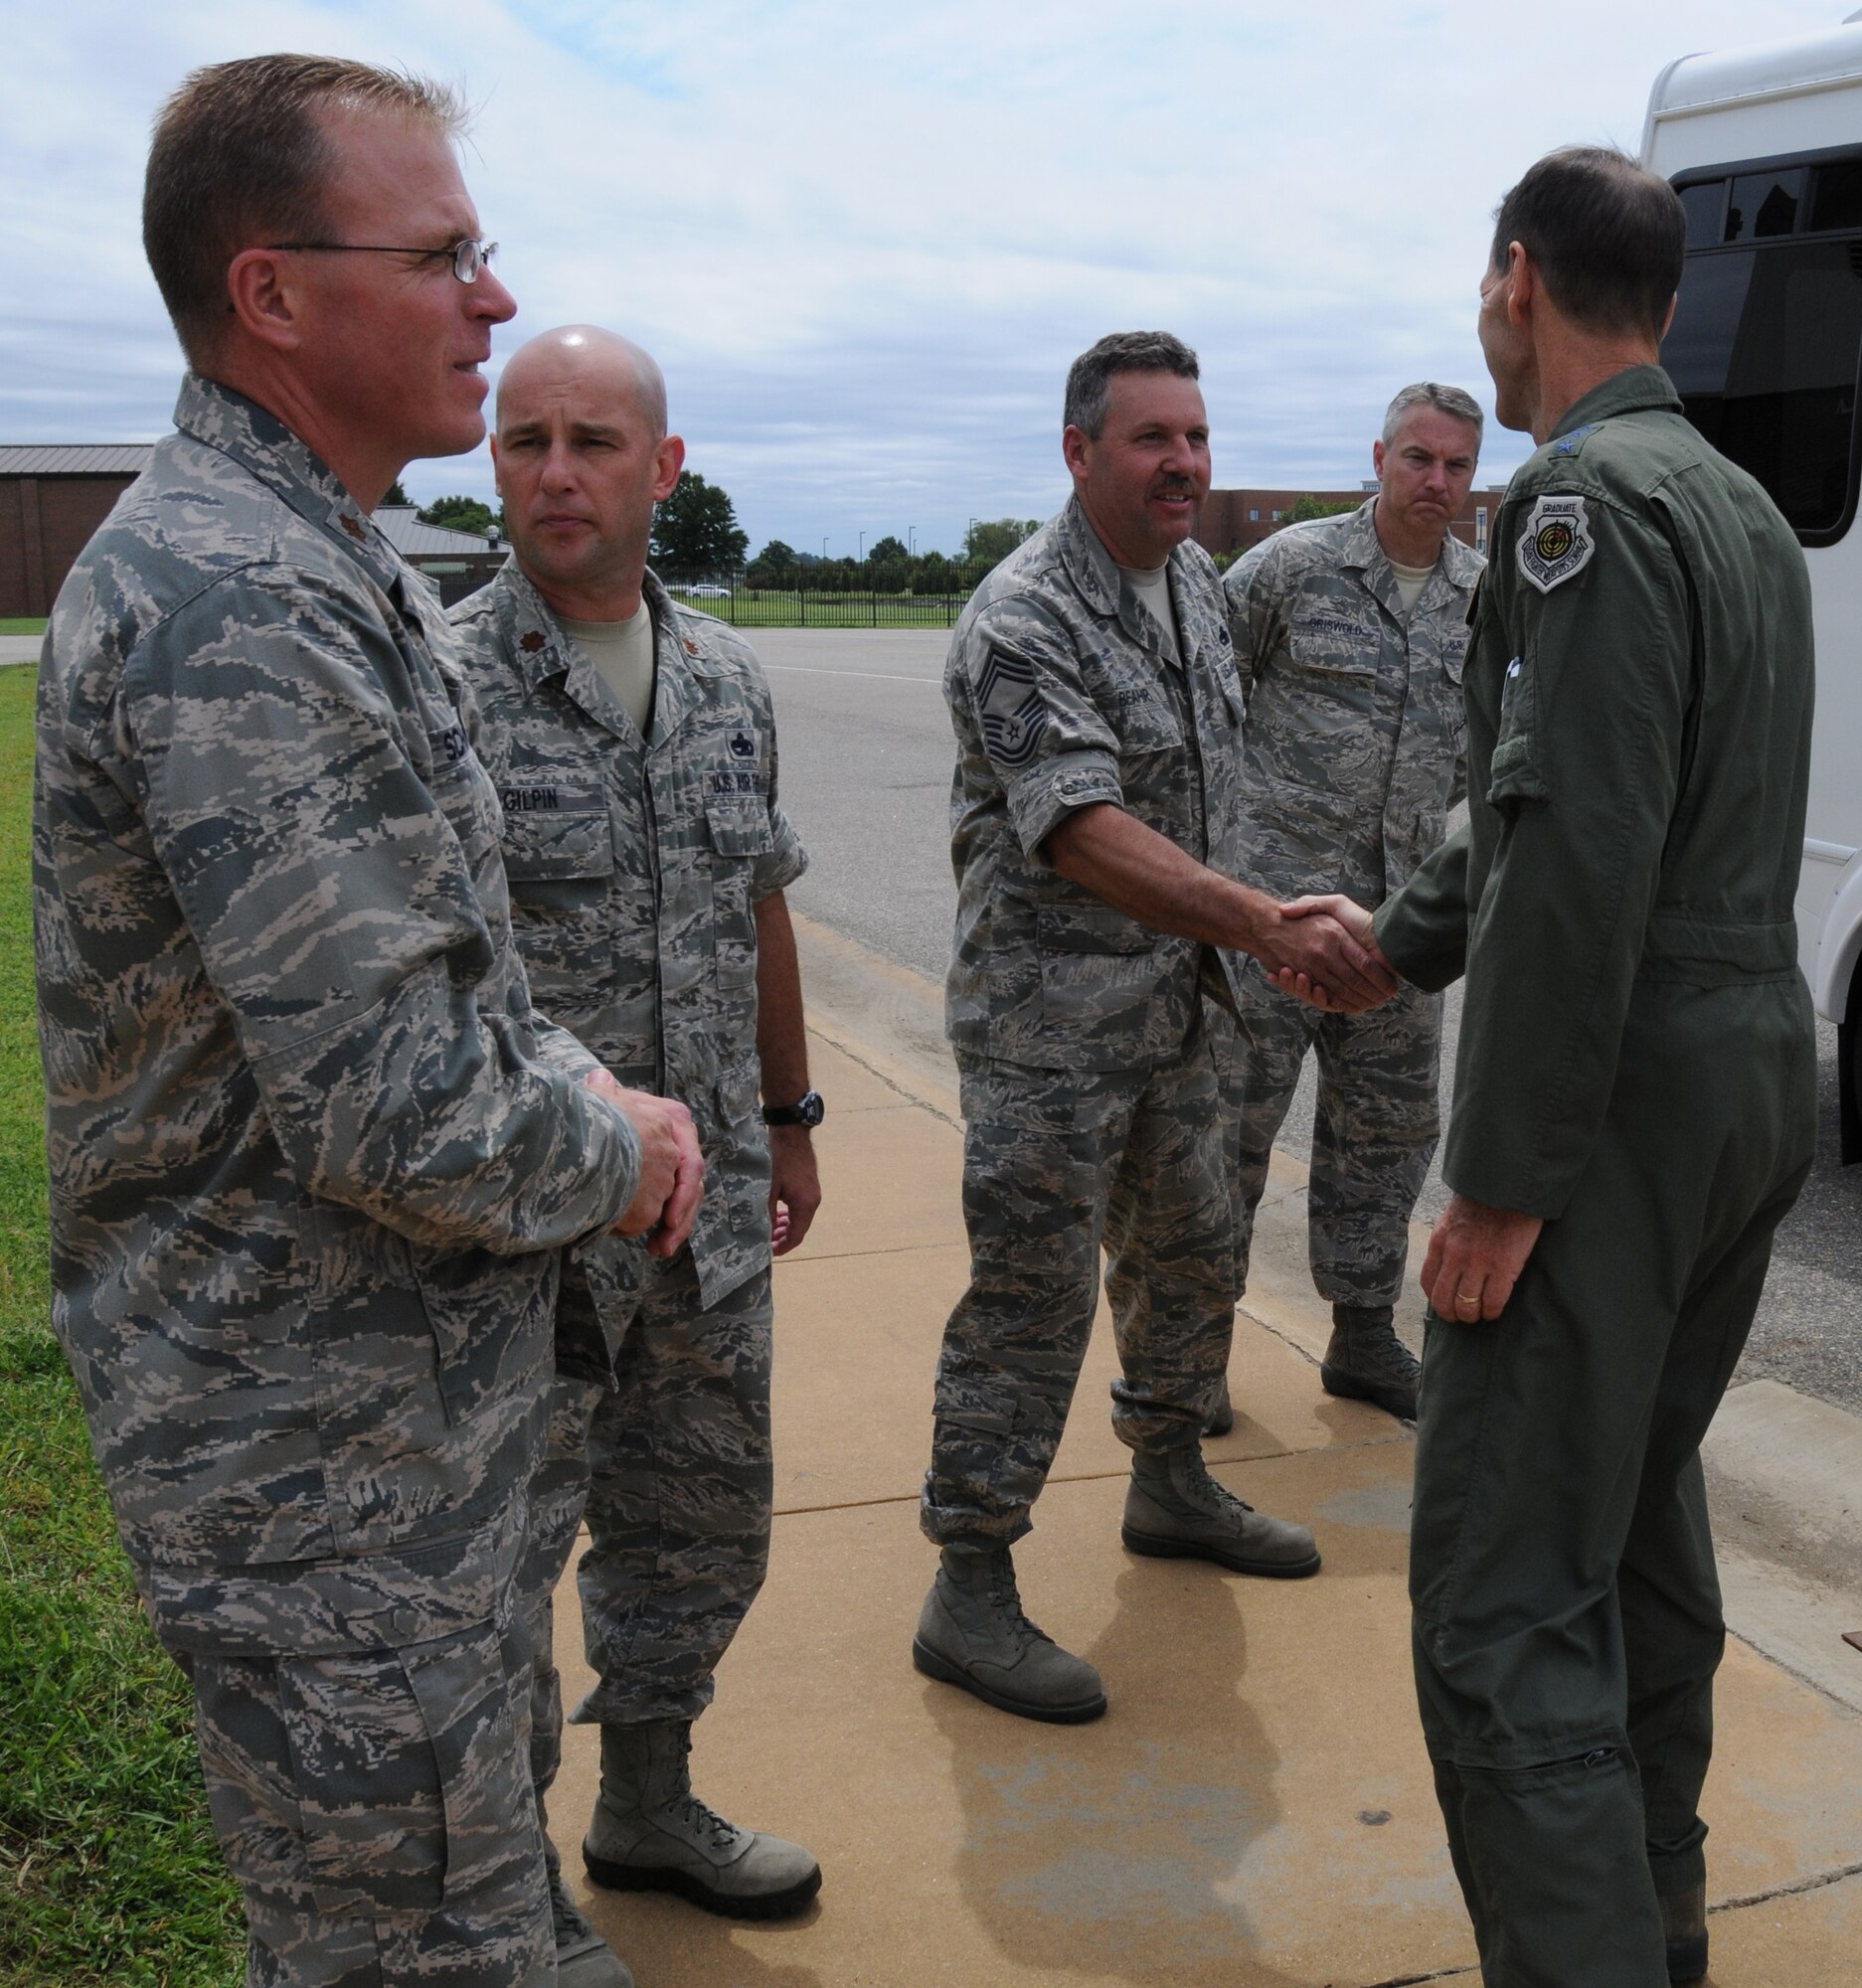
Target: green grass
pixel 22 624
pixel 108 1871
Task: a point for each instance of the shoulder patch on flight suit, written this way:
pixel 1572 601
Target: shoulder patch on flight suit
pixel 1556 542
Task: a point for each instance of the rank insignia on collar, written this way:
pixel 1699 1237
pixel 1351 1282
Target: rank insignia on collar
pixel 531 642
pixel 691 647
pixel 1556 542
pixel 354 526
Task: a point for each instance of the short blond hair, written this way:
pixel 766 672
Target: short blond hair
pixel 241 159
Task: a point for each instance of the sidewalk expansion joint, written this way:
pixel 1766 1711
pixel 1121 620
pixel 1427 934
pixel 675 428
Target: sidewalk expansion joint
pixel 849 1046
pixel 1818 1881
pixel 888 1249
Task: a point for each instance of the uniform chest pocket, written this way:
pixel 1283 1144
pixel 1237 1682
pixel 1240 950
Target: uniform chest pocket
pixel 1335 648
pixel 740 828
pixel 739 833
pixel 560 862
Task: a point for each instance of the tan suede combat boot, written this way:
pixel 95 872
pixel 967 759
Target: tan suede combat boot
pixel 1174 1510
pixel 971 1632
pixel 651 1833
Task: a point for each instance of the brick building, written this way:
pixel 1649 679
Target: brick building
pixel 53 496
pixel 1236 521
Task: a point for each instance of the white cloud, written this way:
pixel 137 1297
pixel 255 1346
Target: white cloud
pixel 865 242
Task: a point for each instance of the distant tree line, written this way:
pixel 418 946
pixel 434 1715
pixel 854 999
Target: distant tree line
pixel 696 537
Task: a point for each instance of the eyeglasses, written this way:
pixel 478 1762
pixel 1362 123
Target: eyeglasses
pixel 467 258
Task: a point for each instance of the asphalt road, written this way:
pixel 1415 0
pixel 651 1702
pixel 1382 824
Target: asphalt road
pixel 866 757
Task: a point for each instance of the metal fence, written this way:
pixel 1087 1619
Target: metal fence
pixel 802 607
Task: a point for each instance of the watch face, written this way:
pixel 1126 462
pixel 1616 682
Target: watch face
pixel 811 1110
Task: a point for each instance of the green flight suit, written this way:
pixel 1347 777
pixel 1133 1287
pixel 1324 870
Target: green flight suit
pixel 1637 1065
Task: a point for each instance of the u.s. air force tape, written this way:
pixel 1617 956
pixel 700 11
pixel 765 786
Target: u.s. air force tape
pixel 1556 542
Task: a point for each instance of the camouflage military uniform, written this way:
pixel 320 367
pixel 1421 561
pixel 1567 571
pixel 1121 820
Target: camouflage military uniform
pixel 1089 1095
pixel 312 1157
pixel 636 866
pixel 1354 752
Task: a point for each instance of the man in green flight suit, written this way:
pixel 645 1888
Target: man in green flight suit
pixel 1635 1099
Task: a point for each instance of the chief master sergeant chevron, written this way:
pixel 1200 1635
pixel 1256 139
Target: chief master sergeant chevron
pixel 1096 826
pixel 312 1151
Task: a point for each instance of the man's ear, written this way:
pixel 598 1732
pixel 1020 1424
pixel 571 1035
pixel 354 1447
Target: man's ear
pixel 1667 319
pixel 1074 448
pixel 263 298
pixel 668 461
pixel 1522 282
pixel 1377 458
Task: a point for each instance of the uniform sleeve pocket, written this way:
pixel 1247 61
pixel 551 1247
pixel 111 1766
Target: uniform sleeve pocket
pixel 1513 774
pixel 408 1772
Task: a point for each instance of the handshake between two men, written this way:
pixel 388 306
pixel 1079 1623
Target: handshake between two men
pixel 1322 949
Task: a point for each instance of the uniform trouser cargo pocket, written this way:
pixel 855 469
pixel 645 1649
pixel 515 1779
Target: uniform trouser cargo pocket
pixel 372 1783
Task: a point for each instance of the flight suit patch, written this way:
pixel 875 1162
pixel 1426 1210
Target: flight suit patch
pixel 1556 542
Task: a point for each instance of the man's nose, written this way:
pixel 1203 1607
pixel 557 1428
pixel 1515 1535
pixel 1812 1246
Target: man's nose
pixel 488 298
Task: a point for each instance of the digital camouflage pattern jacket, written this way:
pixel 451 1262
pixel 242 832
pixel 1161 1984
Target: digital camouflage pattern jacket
pixel 636 866
pixel 1060 696
pixel 1357 736
pixel 312 1149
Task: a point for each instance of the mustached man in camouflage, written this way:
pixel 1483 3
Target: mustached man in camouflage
pixel 1098 839
pixel 635 746
pixel 1349 636
pixel 313 1153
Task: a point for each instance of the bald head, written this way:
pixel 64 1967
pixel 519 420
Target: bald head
pixel 583 455
pixel 601 363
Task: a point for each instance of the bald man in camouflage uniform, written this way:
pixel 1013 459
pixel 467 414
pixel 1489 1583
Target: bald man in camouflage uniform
pixel 312 1151
pixel 1349 636
pixel 635 747
pixel 1096 815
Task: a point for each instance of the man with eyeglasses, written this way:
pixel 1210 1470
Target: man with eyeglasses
pixel 313 1153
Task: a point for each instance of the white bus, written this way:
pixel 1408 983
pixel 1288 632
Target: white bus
pixel 1764 147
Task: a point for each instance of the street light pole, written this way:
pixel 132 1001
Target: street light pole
pixel 863 549
pixel 823 548
pixel 912 540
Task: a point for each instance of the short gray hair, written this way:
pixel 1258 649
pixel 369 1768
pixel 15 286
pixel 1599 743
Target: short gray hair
pixel 1089 377
pixel 1445 400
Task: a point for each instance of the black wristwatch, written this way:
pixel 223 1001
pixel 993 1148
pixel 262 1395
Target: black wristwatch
pixel 808 1109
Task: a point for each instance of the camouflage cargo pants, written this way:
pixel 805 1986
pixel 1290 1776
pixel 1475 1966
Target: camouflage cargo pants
pixel 1374 1133
pixel 680 1484
pixel 1056 1165
pixel 558 1493
pixel 374 1807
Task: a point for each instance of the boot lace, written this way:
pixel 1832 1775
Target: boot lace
pixel 698 1816
pixel 1004 1596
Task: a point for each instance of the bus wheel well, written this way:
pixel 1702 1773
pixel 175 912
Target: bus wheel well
pixel 1849 1071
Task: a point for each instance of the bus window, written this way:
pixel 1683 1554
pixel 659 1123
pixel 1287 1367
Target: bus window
pixel 1764 204
pixel 1765 351
pixel 1836 197
pixel 1705 208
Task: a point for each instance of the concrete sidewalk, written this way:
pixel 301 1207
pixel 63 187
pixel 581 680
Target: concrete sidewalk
pixel 1255 1810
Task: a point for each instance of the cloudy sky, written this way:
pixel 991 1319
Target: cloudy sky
pixel 865 241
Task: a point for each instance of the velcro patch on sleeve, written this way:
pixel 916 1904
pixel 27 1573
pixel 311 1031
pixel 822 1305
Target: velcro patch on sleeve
pixel 1556 542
